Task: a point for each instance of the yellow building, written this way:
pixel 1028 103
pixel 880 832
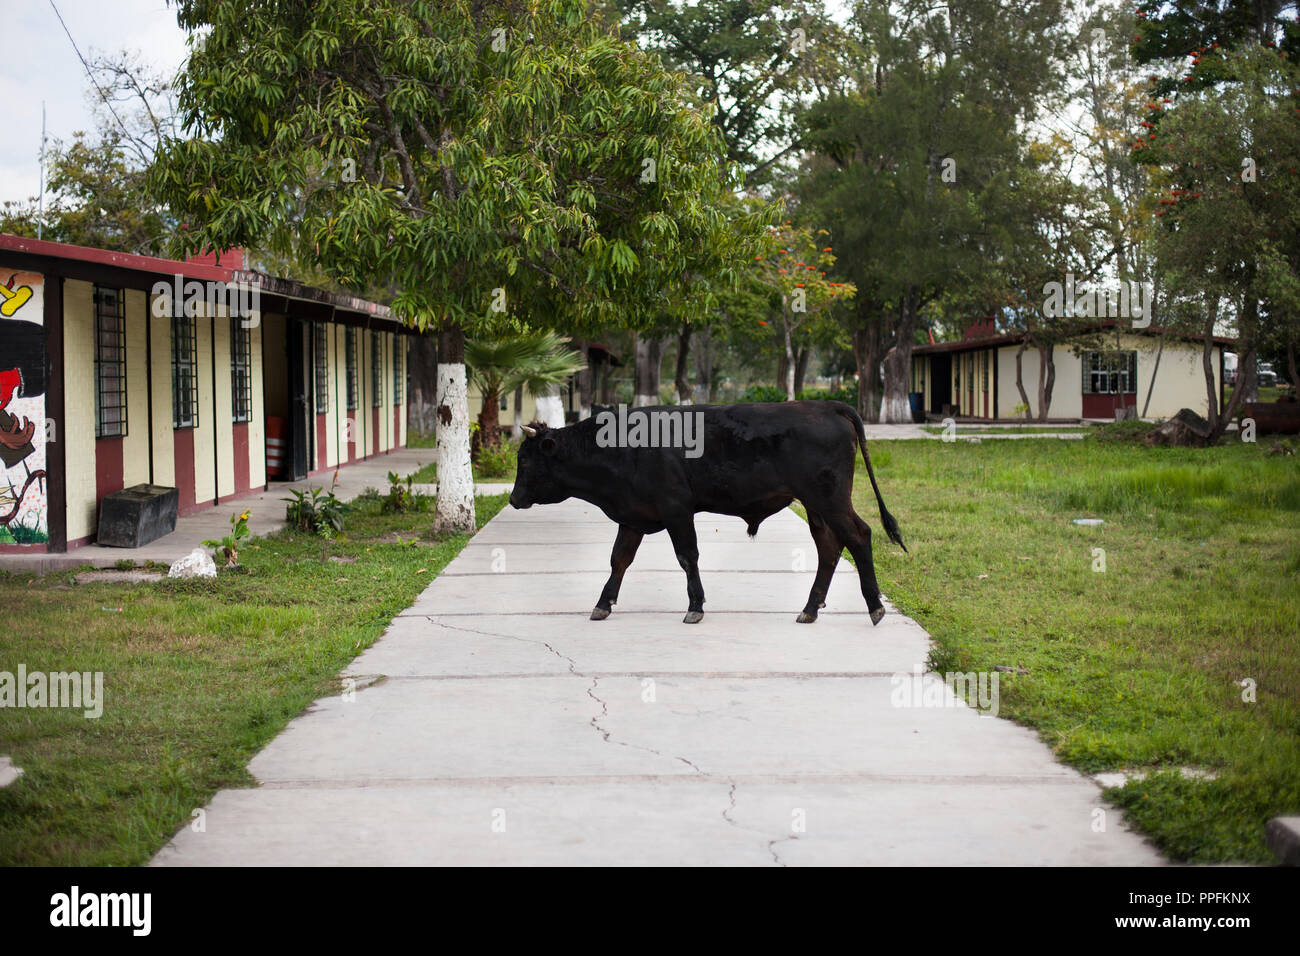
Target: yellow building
pixel 976 376
pixel 118 370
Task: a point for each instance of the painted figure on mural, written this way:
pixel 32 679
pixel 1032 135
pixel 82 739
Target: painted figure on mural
pixel 22 408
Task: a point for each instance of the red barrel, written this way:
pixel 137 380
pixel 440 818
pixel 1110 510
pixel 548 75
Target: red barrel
pixel 276 448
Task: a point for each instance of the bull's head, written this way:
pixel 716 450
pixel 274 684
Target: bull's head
pixel 537 481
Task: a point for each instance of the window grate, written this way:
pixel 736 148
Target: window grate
pixel 350 357
pixel 110 363
pixel 398 342
pixel 1110 373
pixel 320 353
pixel 376 370
pixel 241 371
pixel 185 366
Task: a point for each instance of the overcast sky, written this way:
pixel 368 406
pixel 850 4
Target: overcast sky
pixel 40 64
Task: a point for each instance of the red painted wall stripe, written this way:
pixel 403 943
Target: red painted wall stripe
pixel 239 437
pixel 374 433
pixel 183 449
pixel 322 447
pixel 108 466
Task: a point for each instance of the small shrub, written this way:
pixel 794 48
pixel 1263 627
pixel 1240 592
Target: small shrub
pixel 763 393
pixel 315 511
pixel 496 461
pixel 402 497
pixel 227 549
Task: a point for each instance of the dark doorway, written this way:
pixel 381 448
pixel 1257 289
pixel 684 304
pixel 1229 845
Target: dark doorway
pixel 940 382
pixel 299 432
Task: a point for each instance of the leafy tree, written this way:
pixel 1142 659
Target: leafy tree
pixel 481 156
pixel 1231 218
pixel 910 160
pixel 1193 50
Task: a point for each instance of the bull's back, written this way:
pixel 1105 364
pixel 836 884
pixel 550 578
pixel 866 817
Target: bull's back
pixel 753 452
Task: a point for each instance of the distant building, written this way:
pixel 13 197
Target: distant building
pixel 117 370
pixel 976 376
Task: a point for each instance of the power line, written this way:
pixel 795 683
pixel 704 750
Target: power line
pixel 103 95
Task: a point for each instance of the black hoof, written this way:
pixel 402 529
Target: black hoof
pixel 806 618
pixel 599 614
pixel 693 617
pixel 877 614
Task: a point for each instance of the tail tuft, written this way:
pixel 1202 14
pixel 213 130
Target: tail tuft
pixel 891 529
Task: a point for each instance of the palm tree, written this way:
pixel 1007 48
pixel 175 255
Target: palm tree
pixel 536 361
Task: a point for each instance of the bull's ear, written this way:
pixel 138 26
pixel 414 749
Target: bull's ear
pixel 548 445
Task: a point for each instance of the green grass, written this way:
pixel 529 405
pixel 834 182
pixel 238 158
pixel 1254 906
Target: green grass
pixel 1136 667
pixel 198 676
pixel 1007 429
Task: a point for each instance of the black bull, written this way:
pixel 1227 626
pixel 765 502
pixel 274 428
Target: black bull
pixel 753 461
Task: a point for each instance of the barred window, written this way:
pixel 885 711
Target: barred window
pixel 241 371
pixel 185 367
pixel 1110 373
pixel 320 355
pixel 376 369
pixel 110 363
pixel 984 361
pixel 399 343
pixel 350 358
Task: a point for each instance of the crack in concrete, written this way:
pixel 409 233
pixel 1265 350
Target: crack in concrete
pixel 771 848
pixel 573 669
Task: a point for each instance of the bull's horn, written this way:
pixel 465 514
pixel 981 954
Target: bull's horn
pixel 530 432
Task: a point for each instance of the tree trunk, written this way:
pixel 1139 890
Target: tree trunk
pixel 801 369
pixel 422 403
pixel 1291 365
pixel 649 356
pixel 1155 370
pixel 550 406
pixel 455 512
pixel 1020 376
pixel 489 420
pixel 865 355
pixel 584 382
pixel 1046 379
pixel 517 430
pixel 703 366
pixel 681 380
pixel 789 362
pixel 1250 392
pixel 896 409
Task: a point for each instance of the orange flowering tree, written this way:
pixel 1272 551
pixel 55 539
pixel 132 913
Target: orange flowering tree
pixel 795 267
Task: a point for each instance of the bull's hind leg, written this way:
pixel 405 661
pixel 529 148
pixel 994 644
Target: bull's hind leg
pixel 625 546
pixel 857 538
pixel 828 555
pixel 688 556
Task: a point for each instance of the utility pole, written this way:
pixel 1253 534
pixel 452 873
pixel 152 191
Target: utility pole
pixel 40 217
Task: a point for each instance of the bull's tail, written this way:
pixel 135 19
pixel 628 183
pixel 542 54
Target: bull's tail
pixel 886 519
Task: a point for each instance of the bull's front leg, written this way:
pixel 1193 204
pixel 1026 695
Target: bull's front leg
pixel 687 548
pixel 625 546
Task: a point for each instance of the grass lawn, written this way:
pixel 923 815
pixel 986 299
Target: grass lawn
pixel 198 677
pixel 1140 666
pixel 1008 430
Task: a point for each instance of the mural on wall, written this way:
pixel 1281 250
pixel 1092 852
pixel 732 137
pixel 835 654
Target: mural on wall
pixel 23 427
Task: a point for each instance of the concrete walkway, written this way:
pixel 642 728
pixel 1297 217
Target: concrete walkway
pixel 267 516
pixel 494 724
